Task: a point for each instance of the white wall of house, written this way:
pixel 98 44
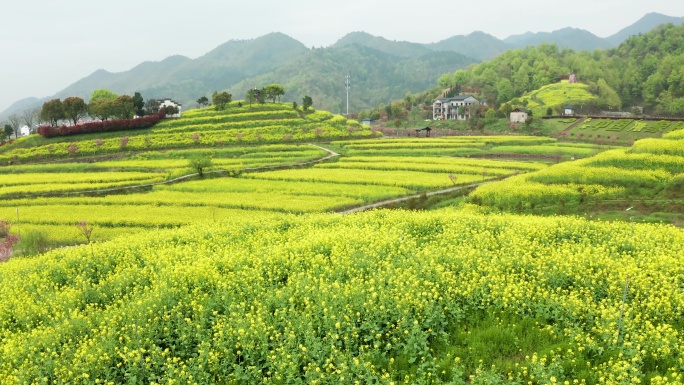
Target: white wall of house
pixel 518 117
pixel 171 103
pixel 457 108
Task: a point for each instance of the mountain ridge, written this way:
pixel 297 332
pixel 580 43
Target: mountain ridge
pixel 237 61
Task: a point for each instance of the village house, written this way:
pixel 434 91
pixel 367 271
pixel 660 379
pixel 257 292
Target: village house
pixel 518 116
pixel 170 103
pixel 454 108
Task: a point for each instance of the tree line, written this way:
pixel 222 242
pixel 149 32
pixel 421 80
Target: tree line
pixel 103 105
pixel 270 92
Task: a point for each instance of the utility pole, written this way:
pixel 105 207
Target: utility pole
pixel 347 82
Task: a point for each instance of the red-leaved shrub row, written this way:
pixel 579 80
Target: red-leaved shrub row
pixel 6 142
pixel 105 126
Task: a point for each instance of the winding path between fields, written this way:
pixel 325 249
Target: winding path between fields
pixel 404 199
pixel 331 154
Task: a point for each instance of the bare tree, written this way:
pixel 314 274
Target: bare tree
pixel 14 121
pixel 30 117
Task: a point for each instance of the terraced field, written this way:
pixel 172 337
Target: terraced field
pixel 255 188
pixel 648 176
pixel 258 124
pixel 243 277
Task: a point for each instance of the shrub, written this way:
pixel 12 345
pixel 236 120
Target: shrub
pixel 104 126
pixel 34 242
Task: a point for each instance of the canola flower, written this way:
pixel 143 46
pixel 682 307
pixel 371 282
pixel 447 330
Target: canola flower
pixel 374 297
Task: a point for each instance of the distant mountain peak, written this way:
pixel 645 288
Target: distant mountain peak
pixel 643 25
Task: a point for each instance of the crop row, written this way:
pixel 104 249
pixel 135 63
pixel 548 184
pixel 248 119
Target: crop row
pixel 192 127
pixel 414 180
pixel 631 125
pixel 419 165
pixel 476 140
pixel 163 141
pixel 225 119
pixel 650 167
pixel 447 161
pixel 379 297
pixel 234 109
pixel 624 159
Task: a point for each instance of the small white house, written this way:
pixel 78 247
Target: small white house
pixel 367 122
pixel 518 116
pixel 170 103
pixel 24 130
pixel 569 110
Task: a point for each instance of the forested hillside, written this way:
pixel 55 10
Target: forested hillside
pixel 646 70
pixel 376 76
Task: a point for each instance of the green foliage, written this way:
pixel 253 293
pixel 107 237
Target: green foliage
pixel 102 94
pixel 273 92
pixel 200 165
pixel 645 70
pixel 220 100
pixel 139 104
pixel 306 102
pixel 202 102
pixel 7 130
pixel 34 242
pixel 103 109
pixel 556 96
pixel 124 107
pixel 74 108
pixel 52 111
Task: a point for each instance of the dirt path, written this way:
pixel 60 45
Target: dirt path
pixel 570 127
pixel 403 199
pixel 331 154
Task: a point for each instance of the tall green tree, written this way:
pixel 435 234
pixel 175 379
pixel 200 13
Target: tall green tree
pixel 504 91
pixel 124 107
pixel 139 104
pixel 102 105
pixel 273 92
pixel 306 102
pixel 52 112
pixel 7 131
pixel 608 96
pixel 102 94
pixel 74 108
pixel 221 100
pixel 202 102
pixel 251 96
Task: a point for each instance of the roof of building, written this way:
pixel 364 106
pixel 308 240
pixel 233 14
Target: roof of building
pixel 170 100
pixel 457 97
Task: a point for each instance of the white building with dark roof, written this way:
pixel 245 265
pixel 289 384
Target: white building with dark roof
pixel 170 103
pixel 454 108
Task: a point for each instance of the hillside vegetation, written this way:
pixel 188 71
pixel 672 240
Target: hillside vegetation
pixel 555 96
pixel 644 70
pixel 239 123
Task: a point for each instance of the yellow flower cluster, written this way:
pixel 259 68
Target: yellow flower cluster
pixel 376 297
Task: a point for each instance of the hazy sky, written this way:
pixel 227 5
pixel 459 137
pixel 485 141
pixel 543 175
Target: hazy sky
pixel 46 45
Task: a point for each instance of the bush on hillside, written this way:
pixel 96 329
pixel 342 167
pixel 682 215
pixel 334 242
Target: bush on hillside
pixel 104 126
